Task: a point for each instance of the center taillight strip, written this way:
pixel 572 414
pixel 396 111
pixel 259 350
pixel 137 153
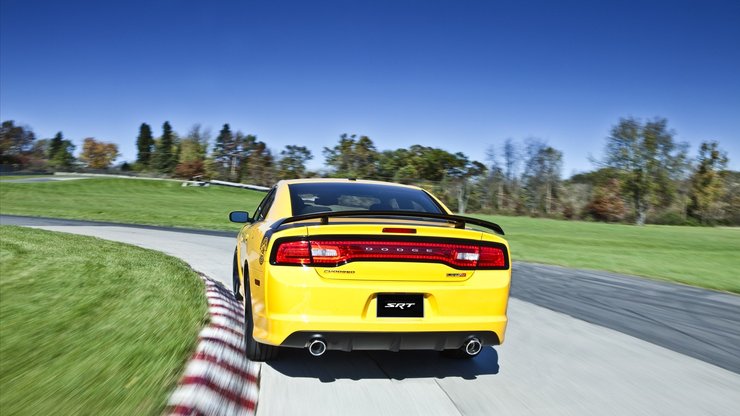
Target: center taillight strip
pixel 332 251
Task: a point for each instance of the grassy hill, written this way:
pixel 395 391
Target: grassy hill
pixel 90 326
pixel 700 256
pixel 135 201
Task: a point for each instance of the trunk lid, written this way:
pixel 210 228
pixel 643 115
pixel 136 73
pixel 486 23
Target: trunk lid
pixel 388 231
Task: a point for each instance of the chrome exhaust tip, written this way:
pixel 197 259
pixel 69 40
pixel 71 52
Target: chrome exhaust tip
pixel 472 347
pixel 317 347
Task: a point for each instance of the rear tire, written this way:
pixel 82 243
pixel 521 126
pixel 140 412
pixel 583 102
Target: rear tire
pixel 256 351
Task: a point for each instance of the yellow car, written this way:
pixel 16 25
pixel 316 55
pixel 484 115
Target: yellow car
pixel 346 264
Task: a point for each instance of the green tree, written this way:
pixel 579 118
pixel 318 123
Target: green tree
pixel 246 144
pixel 707 183
pixel 392 165
pixel 192 153
pixel 144 146
pixel 55 145
pixel 226 154
pixel 353 157
pixel 293 161
pixel 259 165
pixel 595 178
pixel 194 146
pixel 165 155
pixel 648 161
pixel 60 152
pixel 434 164
pixel 339 158
pixel 365 158
pixel 417 163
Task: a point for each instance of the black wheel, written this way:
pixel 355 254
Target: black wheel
pixel 256 351
pixel 235 278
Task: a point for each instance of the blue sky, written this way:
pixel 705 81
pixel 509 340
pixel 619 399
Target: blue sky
pixel 461 75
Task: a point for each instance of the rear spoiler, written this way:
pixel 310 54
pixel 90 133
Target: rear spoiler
pixel 458 220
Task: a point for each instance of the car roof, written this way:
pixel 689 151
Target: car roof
pixel 343 180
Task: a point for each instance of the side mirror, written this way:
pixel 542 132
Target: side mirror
pixel 239 216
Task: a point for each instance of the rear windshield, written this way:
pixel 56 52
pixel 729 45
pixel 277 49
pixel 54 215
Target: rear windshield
pixel 310 198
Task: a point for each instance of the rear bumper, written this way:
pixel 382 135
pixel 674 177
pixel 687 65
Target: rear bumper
pixel 296 305
pixel 390 341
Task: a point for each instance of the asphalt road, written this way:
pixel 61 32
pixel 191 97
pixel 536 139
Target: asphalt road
pixel 631 350
pixel 704 324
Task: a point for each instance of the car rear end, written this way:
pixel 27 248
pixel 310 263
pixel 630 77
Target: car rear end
pixel 380 283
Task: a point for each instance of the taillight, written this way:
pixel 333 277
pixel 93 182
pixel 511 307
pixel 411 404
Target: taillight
pixel 337 252
pixel 491 257
pixel 293 252
pixel 327 252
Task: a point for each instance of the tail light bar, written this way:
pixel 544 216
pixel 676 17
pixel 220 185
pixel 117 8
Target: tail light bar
pixel 335 252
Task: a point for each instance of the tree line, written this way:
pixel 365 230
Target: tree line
pixel 644 175
pixel 234 156
pixel 19 149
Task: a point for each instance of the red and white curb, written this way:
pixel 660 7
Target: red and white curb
pixel 218 379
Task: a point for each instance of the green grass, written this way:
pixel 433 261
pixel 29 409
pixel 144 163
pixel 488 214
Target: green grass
pixel 93 327
pixel 700 256
pixel 135 201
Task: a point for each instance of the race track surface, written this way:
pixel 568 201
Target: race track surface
pixel 704 324
pixel 622 346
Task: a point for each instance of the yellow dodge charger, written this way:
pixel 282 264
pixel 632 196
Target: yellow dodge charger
pixel 348 264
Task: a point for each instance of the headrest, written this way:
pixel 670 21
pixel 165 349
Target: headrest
pixel 326 200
